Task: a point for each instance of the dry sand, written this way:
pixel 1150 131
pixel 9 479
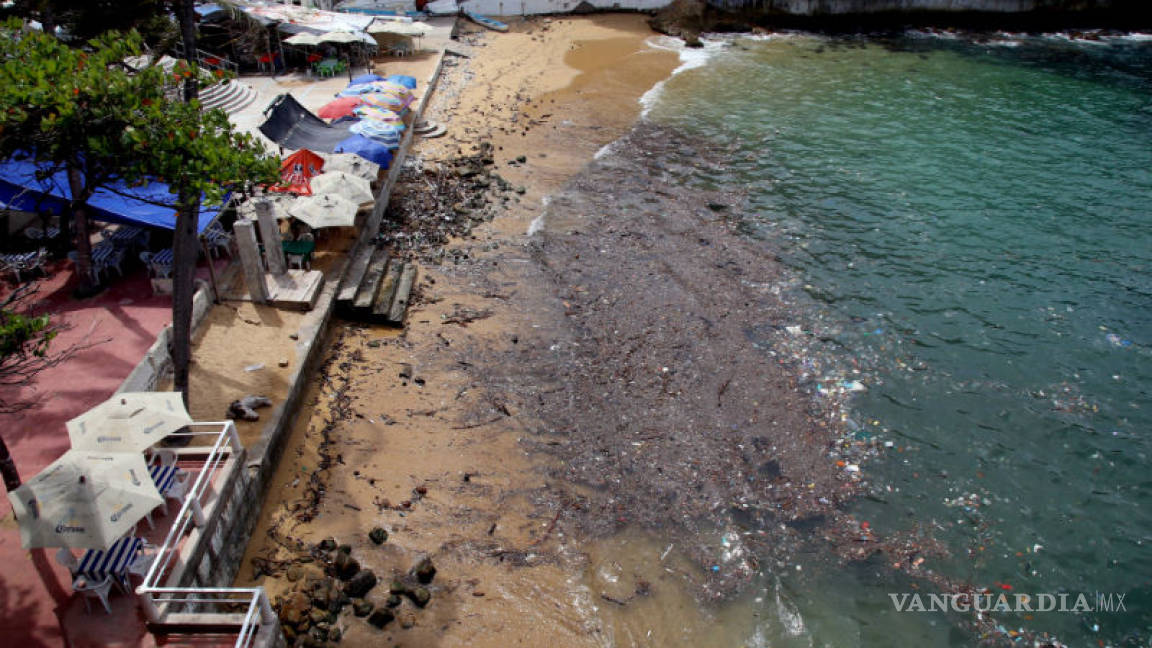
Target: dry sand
pixel 398 430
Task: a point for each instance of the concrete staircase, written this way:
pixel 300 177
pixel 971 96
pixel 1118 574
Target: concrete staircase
pixel 231 96
pixel 376 288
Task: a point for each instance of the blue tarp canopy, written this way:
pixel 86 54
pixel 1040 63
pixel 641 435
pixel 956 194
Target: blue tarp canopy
pixel 20 189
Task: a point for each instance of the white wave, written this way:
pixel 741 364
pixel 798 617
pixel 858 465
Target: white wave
pixel 605 150
pixel 690 59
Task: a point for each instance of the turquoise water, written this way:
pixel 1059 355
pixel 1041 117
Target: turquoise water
pixel 971 225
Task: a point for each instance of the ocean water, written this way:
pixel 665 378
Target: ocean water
pixel 969 225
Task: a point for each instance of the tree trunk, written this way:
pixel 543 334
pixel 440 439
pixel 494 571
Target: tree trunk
pixel 184 251
pixel 186 14
pixel 8 468
pixel 79 209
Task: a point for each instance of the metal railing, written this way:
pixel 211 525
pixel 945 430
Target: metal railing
pixel 210 61
pixel 159 602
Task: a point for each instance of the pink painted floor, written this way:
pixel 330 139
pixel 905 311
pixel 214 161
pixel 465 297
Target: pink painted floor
pixel 121 322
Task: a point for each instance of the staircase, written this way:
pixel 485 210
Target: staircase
pixel 231 96
pixel 376 288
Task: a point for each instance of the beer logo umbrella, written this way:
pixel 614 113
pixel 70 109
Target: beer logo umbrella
pixel 324 211
pixel 345 185
pixel 129 422
pixel 84 500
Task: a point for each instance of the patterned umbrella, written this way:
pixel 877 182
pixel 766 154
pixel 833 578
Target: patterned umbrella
pixel 351 164
pixel 386 133
pixel 129 422
pixel 296 170
pixel 345 185
pixel 325 211
pixel 340 107
pixel 378 113
pixel 84 499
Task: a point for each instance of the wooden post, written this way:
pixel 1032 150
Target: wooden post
pixel 249 251
pixel 270 234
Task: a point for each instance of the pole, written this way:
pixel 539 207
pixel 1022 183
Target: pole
pixel 211 271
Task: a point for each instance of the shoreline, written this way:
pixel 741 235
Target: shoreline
pixel 400 435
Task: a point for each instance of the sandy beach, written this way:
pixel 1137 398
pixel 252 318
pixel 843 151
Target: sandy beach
pixel 400 430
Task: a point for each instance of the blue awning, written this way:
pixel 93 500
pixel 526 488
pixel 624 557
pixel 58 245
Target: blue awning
pixel 20 189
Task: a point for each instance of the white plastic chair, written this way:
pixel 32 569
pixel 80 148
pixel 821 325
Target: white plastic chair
pixel 65 558
pixel 33 233
pixel 179 488
pixel 163 457
pixel 90 590
pixel 141 565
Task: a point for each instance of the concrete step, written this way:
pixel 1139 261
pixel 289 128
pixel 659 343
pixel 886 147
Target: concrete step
pixel 370 287
pixel 354 276
pixel 383 304
pixel 231 96
pixel 403 292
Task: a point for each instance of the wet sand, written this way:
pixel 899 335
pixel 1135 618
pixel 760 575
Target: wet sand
pixel 402 431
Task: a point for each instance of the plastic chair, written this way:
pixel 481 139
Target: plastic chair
pixel 33 233
pixel 179 489
pixel 162 457
pixel 65 558
pixel 90 590
pixel 141 565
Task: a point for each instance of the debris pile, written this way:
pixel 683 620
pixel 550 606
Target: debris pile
pixel 434 202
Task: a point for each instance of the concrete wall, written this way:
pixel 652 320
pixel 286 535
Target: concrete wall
pixel 157 361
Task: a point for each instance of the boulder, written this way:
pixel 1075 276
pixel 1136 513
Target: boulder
pixel 295 608
pixel 420 596
pixel 345 565
pixel 378 535
pixel 381 617
pixel 360 584
pixel 362 607
pixel 424 571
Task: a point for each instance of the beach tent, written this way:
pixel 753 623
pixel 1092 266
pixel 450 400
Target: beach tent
pixel 292 126
pixel 22 189
pixel 297 171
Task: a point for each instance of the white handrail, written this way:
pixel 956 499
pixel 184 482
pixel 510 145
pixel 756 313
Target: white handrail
pixel 151 593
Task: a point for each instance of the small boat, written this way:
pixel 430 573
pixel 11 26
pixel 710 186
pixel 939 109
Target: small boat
pixel 485 21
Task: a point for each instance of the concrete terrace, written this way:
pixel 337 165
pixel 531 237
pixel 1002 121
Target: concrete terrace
pixel 37 607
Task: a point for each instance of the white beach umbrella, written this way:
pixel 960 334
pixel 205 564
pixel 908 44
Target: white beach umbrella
pixel 84 499
pixel 304 38
pixel 344 36
pixel 352 164
pixel 324 211
pixel 400 28
pixel 129 422
pixel 280 203
pixel 345 185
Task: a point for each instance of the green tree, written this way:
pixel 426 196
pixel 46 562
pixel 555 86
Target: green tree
pixel 85 111
pixel 200 155
pixel 67 108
